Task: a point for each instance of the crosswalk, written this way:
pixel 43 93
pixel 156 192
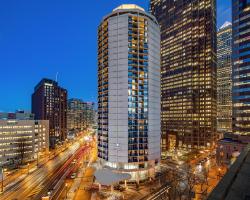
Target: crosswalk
pixel 160 195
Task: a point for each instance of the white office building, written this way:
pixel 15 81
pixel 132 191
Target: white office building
pixel 129 91
pixel 22 140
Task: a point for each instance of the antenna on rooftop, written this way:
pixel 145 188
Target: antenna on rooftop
pixel 57 76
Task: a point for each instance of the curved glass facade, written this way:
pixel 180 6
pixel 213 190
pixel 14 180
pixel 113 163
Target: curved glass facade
pixel 137 89
pixel 103 85
pixel 129 89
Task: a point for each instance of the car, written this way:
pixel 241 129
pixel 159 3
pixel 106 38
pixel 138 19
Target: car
pixel 73 176
pixel 119 188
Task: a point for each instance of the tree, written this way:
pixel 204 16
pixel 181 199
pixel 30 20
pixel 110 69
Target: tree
pixel 190 181
pixel 174 180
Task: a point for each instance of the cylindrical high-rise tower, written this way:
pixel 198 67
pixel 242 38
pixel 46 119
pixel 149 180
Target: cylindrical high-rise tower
pixel 129 91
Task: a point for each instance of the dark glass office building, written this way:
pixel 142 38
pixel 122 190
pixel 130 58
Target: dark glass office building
pixel 49 102
pixel 80 115
pixel 224 78
pixel 241 67
pixel 188 71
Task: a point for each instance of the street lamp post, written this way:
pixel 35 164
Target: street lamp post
pixel 49 155
pixel 37 158
pixel 219 173
pixel 2 170
pixel 66 186
pixel 28 168
pixel 2 184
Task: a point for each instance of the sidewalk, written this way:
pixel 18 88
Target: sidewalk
pixel 213 179
pixel 86 182
pixel 76 184
pixel 87 179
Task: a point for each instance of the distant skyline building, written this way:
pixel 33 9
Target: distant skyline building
pixel 75 115
pixel 80 115
pixel 90 113
pixel 188 72
pixel 129 91
pixel 49 102
pixel 19 115
pixel 22 140
pixel 241 67
pixel 224 78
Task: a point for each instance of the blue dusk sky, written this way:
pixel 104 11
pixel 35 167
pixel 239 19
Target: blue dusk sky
pixel 39 38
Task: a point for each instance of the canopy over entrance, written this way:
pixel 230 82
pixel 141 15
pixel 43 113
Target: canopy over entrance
pixel 109 178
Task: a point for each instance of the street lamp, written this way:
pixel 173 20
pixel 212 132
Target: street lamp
pixel 37 158
pixel 219 173
pixel 2 171
pixel 49 154
pixel 66 186
pixel 28 168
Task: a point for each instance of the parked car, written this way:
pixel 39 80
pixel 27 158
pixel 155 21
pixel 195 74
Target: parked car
pixel 73 175
pixel 119 188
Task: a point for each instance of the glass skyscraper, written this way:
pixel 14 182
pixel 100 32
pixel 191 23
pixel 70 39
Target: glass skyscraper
pixel 188 72
pixel 224 78
pixel 80 115
pixel 129 91
pixel 241 67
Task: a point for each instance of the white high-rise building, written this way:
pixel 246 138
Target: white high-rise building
pixel 129 91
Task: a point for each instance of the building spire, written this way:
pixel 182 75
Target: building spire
pixel 57 76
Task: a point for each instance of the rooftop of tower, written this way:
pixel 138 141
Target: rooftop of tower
pixel 129 7
pixel 226 24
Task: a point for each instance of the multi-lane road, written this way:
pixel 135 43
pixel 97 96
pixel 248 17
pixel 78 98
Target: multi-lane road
pixel 44 179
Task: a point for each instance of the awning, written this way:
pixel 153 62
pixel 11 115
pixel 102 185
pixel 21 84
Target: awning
pixel 108 177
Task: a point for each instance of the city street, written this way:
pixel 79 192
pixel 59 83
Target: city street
pixel 14 176
pixel 76 188
pixel 37 184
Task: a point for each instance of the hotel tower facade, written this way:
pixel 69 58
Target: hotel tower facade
pixel 188 72
pixel 129 91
